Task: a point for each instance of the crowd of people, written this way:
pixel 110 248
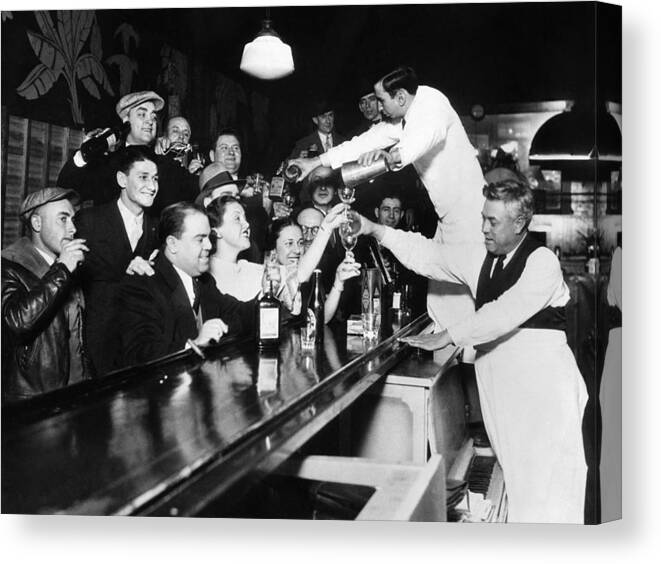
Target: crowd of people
pixel 166 253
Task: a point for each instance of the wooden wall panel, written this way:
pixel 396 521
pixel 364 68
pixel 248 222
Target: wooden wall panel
pixel 37 163
pixel 57 149
pixel 17 157
pixel 33 153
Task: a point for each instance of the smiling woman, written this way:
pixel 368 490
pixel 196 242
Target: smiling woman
pixel 230 234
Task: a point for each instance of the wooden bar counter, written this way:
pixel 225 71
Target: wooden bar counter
pixel 172 436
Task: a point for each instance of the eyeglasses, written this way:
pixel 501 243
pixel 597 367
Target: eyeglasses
pixel 310 230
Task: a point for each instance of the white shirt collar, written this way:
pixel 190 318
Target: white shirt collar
pixel 187 280
pixel 128 217
pixel 509 255
pixel 49 259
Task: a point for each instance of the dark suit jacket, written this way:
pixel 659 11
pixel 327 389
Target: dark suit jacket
pixel 104 268
pixel 314 139
pixel 156 318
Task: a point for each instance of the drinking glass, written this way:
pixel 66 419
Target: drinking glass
pixel 346 195
pixel 272 270
pixel 349 235
pixel 288 199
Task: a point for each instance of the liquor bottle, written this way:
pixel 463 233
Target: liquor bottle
pixel 371 305
pixel 95 147
pixel 314 312
pixel 387 281
pixel 268 320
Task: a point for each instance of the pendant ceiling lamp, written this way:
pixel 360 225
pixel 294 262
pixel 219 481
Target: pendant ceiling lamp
pixel 266 56
pixel 583 141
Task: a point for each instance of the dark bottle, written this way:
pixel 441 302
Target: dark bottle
pixel 95 147
pixel 268 319
pixel 387 282
pixel 314 311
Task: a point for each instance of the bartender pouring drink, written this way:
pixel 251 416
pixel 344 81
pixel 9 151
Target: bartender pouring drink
pixel 421 128
pixel 531 391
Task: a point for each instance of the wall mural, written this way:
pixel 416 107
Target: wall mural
pixel 127 67
pixel 69 68
pixel 59 49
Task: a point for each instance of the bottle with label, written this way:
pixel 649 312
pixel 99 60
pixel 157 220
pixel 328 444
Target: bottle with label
pixel 95 147
pixel 371 302
pixel 268 319
pixel 314 312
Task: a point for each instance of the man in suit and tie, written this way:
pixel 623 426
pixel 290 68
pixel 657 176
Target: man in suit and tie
pixel 121 239
pixel 179 306
pixel 323 138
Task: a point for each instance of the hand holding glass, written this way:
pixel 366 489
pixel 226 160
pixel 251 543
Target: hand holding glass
pixel 349 234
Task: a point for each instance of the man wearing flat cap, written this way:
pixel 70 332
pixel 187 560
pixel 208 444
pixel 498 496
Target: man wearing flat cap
pixel 96 181
pixel 42 305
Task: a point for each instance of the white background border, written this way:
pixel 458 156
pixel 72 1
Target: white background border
pixel 635 539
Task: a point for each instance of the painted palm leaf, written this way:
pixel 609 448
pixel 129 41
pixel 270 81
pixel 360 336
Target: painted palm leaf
pixel 49 53
pixel 65 32
pixel 95 41
pixel 37 83
pixel 90 71
pixel 127 68
pixel 82 21
pixel 126 33
pixel 46 25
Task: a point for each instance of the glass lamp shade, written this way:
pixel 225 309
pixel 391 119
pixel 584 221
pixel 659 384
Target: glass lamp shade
pixel 267 57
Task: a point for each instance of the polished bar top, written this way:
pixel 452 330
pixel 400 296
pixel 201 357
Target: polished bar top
pixel 163 438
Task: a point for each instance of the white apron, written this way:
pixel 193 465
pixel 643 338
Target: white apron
pixel 533 398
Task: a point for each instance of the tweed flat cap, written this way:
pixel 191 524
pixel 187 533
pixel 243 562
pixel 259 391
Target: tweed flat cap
pixel 44 196
pixel 126 103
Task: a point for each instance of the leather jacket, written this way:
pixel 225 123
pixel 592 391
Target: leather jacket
pixel 41 324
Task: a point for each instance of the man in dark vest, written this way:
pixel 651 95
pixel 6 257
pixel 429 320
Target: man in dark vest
pixel 532 394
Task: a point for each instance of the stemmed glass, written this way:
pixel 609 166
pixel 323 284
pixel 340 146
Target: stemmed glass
pixel 346 194
pixel 349 232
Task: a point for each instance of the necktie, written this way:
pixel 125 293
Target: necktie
pixel 196 293
pixel 328 143
pixel 499 267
